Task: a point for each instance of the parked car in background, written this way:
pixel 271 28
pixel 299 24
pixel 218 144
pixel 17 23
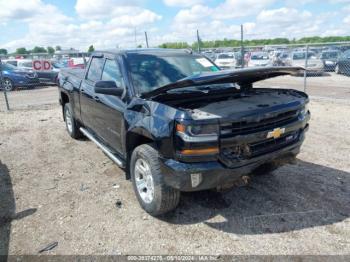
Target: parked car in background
pixel 343 64
pixel 18 77
pixel 45 76
pixel 259 59
pixel 279 58
pixel 314 64
pixel 330 58
pixel 226 60
pixel 10 61
pixel 77 62
pixel 210 54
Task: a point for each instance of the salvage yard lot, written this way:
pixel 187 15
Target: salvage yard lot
pixel 330 85
pixel 53 188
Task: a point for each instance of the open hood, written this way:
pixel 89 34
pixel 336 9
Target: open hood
pixel 242 77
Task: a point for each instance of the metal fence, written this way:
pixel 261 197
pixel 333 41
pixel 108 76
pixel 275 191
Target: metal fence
pixel 31 80
pixel 327 71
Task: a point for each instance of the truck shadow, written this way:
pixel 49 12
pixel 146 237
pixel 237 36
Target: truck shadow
pixel 8 210
pixel 293 197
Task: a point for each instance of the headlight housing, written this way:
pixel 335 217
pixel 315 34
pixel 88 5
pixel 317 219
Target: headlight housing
pixel 197 140
pixel 198 132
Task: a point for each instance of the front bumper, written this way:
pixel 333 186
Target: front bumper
pixel 215 173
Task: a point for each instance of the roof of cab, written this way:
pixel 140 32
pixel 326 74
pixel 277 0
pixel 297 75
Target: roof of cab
pixel 141 50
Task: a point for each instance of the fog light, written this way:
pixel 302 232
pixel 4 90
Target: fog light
pixel 196 179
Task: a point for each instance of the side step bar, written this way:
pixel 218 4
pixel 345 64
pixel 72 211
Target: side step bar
pixel 112 156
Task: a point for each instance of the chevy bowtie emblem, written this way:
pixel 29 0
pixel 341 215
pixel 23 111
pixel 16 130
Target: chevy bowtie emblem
pixel 276 133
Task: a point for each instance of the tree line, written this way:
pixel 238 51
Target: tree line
pixel 203 44
pixel 38 50
pixel 256 42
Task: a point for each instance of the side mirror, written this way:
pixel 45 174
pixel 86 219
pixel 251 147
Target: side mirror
pixel 108 88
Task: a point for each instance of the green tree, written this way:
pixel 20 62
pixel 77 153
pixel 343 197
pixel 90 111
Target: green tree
pixel 50 50
pixel 58 48
pixel 21 51
pixel 257 42
pixel 3 51
pixel 91 49
pixel 38 49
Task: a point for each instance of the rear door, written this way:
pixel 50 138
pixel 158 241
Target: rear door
pixel 88 97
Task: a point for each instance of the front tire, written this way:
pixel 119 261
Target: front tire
pixel 8 84
pixel 71 124
pixel 154 196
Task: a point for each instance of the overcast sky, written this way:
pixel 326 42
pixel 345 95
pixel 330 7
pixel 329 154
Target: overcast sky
pixel 113 23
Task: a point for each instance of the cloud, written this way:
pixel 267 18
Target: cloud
pixel 182 3
pixel 47 25
pixel 108 23
pixel 229 9
pixel 239 8
pixel 102 9
pixel 29 10
pixel 346 20
pixel 193 15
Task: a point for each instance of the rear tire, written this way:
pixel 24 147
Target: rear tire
pixel 337 70
pixel 154 196
pixel 71 124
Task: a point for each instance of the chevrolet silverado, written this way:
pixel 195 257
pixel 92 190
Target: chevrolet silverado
pixel 174 121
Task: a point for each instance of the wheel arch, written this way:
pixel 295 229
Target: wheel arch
pixel 64 99
pixel 134 139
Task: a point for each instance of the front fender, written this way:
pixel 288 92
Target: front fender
pixel 154 121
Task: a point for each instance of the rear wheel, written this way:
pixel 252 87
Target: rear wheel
pixel 154 196
pixel 71 124
pixel 8 84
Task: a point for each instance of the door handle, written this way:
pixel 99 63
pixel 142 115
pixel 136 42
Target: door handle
pixel 96 98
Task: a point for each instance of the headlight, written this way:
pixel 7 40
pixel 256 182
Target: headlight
pixel 205 135
pixel 197 133
pixel 202 130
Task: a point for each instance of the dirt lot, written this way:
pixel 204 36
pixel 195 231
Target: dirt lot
pixel 53 188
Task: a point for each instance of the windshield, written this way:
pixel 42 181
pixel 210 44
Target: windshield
pixel 328 55
pixel 25 64
pixel 260 56
pixel 8 67
pixel 57 65
pixel 302 55
pixel 226 56
pixel 152 71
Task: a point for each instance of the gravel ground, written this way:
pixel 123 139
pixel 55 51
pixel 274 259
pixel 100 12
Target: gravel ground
pixel 54 188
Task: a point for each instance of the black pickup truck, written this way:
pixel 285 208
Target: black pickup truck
pixel 177 122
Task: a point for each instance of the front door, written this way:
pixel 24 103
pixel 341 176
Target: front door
pixel 109 109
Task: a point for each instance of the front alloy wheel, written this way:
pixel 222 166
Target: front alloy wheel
pixel 144 180
pixel 8 85
pixel 151 191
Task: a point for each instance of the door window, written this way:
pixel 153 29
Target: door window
pixel 111 72
pixel 95 69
